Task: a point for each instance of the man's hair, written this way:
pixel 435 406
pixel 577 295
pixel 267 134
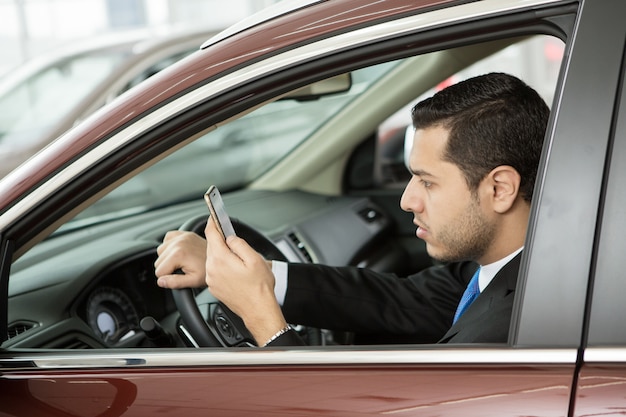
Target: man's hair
pixel 493 119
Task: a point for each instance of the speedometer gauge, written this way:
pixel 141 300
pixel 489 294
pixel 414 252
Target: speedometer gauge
pixel 112 315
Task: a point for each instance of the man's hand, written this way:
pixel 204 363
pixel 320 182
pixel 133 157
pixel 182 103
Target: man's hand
pixel 184 252
pixel 242 279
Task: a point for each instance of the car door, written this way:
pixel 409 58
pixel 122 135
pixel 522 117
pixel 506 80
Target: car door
pixel 531 375
pixel 602 379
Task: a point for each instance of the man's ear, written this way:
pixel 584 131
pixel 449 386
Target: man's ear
pixel 502 185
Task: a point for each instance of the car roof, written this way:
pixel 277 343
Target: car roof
pixel 269 13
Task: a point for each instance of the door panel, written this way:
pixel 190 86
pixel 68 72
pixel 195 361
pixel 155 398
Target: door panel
pixel 490 383
pixel 601 385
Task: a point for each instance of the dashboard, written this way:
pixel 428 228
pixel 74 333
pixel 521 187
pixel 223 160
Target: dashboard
pixel 91 287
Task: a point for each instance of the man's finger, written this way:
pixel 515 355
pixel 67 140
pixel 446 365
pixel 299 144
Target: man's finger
pixel 241 248
pixel 176 281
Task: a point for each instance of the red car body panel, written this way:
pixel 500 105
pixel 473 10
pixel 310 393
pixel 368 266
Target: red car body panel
pixel 295 391
pixel 601 390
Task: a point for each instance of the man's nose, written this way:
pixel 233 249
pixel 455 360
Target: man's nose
pixel 411 200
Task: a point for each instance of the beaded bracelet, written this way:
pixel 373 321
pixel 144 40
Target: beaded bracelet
pixel 278 334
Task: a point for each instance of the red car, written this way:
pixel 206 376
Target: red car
pixel 288 114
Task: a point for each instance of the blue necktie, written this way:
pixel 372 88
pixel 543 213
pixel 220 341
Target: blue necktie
pixel 471 292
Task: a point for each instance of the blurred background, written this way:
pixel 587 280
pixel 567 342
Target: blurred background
pixel 31 27
pixel 61 60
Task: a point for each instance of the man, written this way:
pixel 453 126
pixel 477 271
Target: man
pixel 474 161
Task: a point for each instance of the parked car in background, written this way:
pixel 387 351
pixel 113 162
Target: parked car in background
pixel 290 115
pixel 49 94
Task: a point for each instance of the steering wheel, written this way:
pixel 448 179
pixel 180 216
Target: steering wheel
pixel 211 323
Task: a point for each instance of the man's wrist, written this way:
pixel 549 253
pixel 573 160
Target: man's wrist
pixel 277 335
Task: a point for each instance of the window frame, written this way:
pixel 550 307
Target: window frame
pixel 366 54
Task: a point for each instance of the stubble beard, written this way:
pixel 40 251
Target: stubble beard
pixel 468 237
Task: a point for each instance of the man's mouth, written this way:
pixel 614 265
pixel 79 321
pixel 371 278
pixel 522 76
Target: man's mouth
pixel 421 231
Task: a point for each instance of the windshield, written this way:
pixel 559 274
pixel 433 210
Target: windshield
pixel 231 155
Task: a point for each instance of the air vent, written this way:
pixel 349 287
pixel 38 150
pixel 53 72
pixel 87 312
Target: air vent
pixel 71 341
pixel 75 344
pixel 17 328
pixel 300 246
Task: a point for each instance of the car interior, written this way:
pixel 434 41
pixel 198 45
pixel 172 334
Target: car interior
pixel 313 175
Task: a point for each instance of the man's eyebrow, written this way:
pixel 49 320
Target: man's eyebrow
pixel 420 173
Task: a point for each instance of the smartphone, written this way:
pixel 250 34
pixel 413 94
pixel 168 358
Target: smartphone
pixel 213 199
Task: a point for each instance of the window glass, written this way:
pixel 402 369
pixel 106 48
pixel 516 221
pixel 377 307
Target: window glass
pixel 104 298
pixel 233 154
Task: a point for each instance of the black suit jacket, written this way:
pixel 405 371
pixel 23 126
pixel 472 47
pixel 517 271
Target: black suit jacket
pixel 421 306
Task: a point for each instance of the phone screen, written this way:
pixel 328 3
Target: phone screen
pixel 213 199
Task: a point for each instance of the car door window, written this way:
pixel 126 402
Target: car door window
pixel 230 157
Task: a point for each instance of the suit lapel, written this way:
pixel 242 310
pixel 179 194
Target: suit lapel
pixel 502 285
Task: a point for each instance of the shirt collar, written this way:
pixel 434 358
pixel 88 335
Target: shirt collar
pixel 488 272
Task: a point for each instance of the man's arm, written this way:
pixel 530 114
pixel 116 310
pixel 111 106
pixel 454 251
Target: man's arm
pixel 237 276
pixel 347 298
pixel 364 301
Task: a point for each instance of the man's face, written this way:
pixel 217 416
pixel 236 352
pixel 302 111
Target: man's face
pixel 448 215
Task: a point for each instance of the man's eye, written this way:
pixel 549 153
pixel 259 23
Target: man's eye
pixel 426 184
